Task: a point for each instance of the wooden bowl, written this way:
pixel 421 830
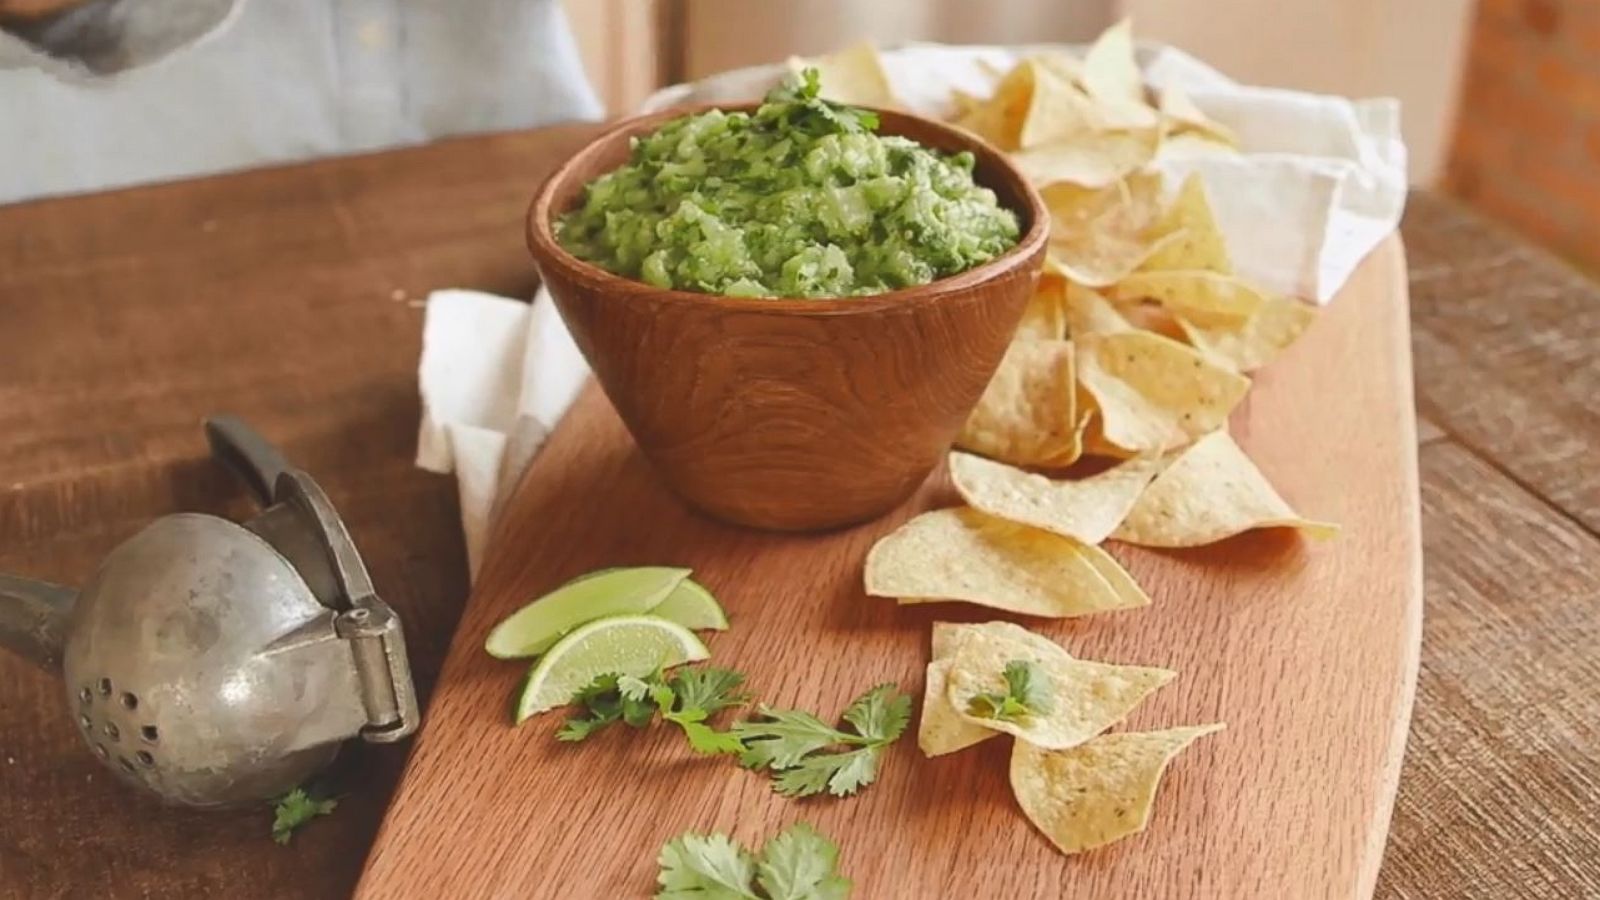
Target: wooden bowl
pixel 792 414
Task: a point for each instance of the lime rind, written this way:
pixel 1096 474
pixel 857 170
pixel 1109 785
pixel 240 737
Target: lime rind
pixel 535 628
pixel 636 645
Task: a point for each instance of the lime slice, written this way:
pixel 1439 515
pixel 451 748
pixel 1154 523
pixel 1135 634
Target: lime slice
pixel 692 606
pixel 532 629
pixel 625 645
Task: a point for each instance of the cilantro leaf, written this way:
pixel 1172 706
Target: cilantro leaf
pixel 687 699
pixel 579 728
pixel 632 688
pixel 294 810
pixel 1028 693
pixel 797 105
pixel 808 756
pixel 881 713
pixel 705 867
pixel 705 739
pixel 784 737
pixel 840 774
pixel 797 864
pixel 605 704
pixel 708 688
pixel 800 864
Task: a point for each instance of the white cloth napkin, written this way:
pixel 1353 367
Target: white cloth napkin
pixel 496 375
pixel 1320 181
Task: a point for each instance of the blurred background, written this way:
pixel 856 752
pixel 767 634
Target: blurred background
pixel 1501 97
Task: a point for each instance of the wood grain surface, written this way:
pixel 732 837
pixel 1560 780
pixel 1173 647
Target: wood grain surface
pixel 1497 796
pixel 290 296
pixel 115 339
pixel 793 414
pixel 1308 652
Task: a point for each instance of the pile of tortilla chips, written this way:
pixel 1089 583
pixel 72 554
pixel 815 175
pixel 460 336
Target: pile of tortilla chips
pixel 1134 348
pixel 1081 788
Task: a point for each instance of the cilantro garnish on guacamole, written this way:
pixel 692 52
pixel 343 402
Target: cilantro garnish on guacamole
pixel 799 199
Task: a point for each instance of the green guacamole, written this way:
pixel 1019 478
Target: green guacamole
pixel 799 199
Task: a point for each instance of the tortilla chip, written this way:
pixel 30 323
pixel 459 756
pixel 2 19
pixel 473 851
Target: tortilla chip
pixel 1090 159
pixel 1087 697
pixel 1087 311
pixel 948 636
pixel 1064 65
pixel 1027 414
pixel 1100 235
pixel 1110 72
pixel 1115 575
pixel 1058 111
pixel 999 119
pixel 1085 509
pixel 963 102
pixel 962 554
pixel 854 75
pixel 1206 298
pixel 1203 245
pixel 1100 791
pixel 1209 492
pixel 1190 145
pixel 1246 347
pixel 1153 393
pixel 1183 117
pixel 941 730
pixel 1045 318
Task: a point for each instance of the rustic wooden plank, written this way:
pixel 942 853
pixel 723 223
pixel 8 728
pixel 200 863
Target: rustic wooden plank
pixel 1427 432
pixel 1497 795
pixel 1292 800
pixel 289 296
pixel 1506 338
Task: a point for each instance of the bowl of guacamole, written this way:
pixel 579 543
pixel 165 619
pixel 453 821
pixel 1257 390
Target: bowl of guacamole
pixel 792 305
pixel 799 198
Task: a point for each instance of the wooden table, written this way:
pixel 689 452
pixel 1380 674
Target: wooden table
pixel 293 297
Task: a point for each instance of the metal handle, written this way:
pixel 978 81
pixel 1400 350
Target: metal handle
pixel 303 525
pixel 365 621
pixel 249 455
pixel 33 619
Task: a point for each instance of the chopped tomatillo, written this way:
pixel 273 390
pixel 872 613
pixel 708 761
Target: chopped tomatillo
pixel 798 199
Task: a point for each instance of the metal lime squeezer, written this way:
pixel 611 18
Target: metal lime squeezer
pixel 214 663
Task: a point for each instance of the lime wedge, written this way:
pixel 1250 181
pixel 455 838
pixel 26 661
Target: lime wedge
pixel 692 606
pixel 625 645
pixel 532 629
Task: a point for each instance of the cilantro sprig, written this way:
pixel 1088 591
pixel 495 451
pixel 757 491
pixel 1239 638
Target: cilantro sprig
pixel 1028 693
pixel 797 105
pixel 687 698
pixel 807 756
pixel 797 864
pixel 294 809
pixel 804 755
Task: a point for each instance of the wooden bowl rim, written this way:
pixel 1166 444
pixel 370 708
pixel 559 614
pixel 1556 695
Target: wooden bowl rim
pixel 548 251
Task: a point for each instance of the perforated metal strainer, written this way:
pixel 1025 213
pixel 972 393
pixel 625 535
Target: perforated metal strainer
pixel 214 663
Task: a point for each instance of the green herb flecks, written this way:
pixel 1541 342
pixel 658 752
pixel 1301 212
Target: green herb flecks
pixel 801 198
pixel 294 810
pixel 1028 693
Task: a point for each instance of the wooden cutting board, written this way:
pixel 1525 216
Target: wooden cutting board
pixel 1307 651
